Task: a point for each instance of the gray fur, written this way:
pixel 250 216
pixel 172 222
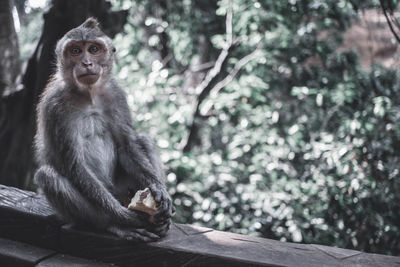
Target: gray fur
pixel 90 158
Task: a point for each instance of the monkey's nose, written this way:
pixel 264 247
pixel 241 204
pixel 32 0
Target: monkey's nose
pixel 87 63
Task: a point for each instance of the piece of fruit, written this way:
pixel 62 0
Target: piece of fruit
pixel 144 201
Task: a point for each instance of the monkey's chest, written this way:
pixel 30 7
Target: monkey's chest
pixel 98 147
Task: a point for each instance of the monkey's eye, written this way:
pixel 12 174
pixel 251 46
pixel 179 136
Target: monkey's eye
pixel 94 49
pixel 75 50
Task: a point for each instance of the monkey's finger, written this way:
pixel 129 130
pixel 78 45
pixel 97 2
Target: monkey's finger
pixel 133 234
pixel 173 209
pixel 155 228
pixel 165 225
pixel 157 196
pixel 158 193
pixel 164 213
pixel 146 234
pixel 162 210
pixel 139 237
pixel 170 209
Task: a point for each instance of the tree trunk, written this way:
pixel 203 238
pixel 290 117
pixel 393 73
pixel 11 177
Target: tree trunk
pixel 20 6
pixel 9 54
pixel 17 131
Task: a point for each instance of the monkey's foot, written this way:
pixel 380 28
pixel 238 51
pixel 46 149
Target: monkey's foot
pixel 133 234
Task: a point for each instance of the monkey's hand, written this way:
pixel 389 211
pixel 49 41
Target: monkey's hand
pixel 134 218
pixel 164 203
pixel 160 229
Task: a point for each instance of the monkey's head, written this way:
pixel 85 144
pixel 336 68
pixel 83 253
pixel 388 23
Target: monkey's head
pixel 85 56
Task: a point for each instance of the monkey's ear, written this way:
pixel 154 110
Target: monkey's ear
pixel 90 23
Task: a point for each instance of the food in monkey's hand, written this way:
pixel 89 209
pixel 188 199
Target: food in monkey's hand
pixel 144 201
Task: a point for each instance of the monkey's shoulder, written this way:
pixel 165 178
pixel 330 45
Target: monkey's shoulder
pixel 62 100
pixel 52 95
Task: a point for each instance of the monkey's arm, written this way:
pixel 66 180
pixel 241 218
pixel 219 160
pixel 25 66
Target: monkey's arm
pixel 141 160
pixel 85 181
pixel 139 157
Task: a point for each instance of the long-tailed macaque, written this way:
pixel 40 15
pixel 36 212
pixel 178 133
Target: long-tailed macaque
pixel 91 161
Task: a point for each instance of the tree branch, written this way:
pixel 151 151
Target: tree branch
pixel 388 19
pixel 212 82
pixel 229 78
pixel 204 88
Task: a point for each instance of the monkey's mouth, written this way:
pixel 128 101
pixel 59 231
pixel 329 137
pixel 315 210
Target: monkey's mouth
pixel 88 78
pixel 87 74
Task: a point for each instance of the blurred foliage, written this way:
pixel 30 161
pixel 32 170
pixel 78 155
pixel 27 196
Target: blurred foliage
pixel 29 34
pixel 302 144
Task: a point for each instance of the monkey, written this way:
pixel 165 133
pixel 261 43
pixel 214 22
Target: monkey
pixel 90 159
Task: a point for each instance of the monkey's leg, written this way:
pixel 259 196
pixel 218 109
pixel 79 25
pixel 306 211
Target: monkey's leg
pixel 167 209
pixel 73 207
pixel 65 199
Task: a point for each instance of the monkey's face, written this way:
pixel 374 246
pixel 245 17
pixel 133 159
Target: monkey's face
pixel 87 62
